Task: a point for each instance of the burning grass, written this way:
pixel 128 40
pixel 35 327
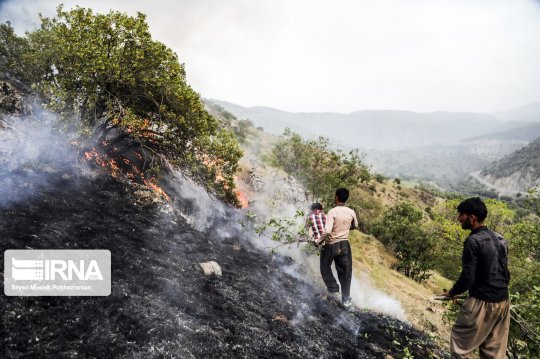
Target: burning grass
pixel 124 164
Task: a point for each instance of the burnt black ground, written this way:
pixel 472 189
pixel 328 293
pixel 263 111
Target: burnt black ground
pixel 161 304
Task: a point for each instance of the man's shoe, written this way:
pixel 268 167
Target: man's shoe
pixel 333 296
pixel 347 304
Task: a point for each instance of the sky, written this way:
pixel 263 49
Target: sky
pixel 343 55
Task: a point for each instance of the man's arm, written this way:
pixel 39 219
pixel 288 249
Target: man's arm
pixel 354 223
pixel 328 226
pixel 468 271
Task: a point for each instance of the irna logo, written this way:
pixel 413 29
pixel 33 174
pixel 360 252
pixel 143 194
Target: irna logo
pixel 57 272
pixel 53 269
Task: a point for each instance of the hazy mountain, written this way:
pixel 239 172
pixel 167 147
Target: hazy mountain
pixel 443 165
pixel 530 112
pixel 381 130
pixel 501 143
pixel 515 131
pixel 516 172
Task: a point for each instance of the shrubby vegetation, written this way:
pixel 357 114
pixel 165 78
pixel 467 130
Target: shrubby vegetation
pixel 240 128
pixel 92 68
pixel 401 230
pixel 524 239
pixel 319 168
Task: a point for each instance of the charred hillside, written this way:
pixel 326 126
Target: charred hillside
pixel 161 305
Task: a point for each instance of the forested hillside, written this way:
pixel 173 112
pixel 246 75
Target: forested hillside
pixel 519 171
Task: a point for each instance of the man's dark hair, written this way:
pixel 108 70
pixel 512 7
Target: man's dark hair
pixel 342 194
pixel 473 206
pixel 316 206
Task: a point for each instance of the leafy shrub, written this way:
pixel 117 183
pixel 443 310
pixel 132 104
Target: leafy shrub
pixel 402 232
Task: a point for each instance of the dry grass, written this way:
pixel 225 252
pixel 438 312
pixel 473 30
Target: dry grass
pixel 422 310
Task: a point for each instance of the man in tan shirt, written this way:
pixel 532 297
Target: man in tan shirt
pixel 339 221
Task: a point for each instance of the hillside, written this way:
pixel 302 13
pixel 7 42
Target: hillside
pixel 517 172
pixel 443 165
pixel 161 304
pixel 377 285
pixel 447 165
pixel 504 142
pixel 381 130
pixel 104 144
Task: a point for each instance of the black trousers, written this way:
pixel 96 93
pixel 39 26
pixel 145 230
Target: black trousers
pixel 339 253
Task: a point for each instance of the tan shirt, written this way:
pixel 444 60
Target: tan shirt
pixel 338 224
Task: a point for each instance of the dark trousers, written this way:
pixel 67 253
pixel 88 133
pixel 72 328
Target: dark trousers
pixel 339 253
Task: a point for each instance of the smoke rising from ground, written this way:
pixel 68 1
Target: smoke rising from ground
pixel 282 196
pixel 32 150
pixel 279 197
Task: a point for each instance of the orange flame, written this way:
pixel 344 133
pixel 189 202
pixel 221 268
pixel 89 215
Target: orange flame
pixel 242 198
pixel 150 184
pixel 130 169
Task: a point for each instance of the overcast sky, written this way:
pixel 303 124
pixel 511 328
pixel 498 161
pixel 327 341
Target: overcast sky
pixel 342 56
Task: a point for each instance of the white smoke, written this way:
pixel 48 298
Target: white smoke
pixel 32 150
pixel 279 197
pixel 282 196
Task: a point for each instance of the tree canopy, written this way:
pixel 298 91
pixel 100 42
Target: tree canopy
pixel 401 230
pixel 95 67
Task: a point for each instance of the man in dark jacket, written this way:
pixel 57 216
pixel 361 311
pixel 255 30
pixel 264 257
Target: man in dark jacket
pixel 484 319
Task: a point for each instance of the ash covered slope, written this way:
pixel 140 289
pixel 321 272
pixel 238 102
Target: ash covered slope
pixel 161 305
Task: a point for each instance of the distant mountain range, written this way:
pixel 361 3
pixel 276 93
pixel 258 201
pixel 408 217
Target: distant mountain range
pixel 441 146
pixel 530 112
pixel 380 130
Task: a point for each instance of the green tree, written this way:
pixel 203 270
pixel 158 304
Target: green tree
pixel 450 236
pixel 500 217
pixel 12 48
pixel 317 167
pixel 367 207
pixel 524 253
pixel 401 231
pixel 106 67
